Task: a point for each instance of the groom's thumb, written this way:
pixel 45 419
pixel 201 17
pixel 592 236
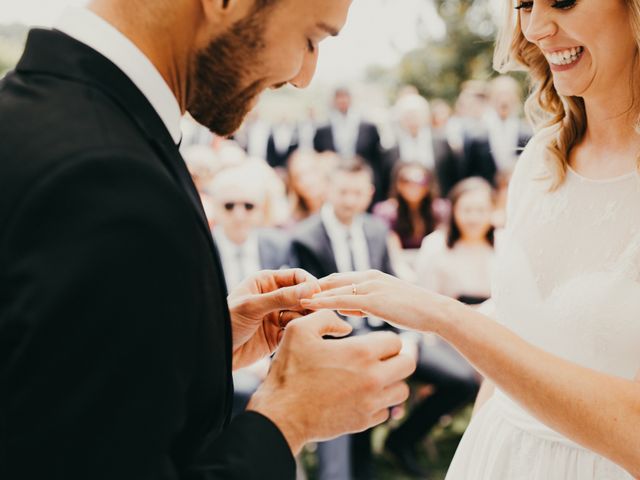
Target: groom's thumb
pixel 323 323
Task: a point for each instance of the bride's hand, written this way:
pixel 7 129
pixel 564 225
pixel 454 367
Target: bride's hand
pixel 375 293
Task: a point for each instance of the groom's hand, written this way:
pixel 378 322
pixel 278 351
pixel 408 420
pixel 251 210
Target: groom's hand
pixel 319 389
pixel 262 306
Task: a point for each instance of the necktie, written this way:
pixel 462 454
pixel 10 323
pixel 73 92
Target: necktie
pixel 352 258
pixel 356 322
pixel 240 268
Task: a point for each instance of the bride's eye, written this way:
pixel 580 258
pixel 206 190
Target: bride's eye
pixel 564 4
pixel 526 6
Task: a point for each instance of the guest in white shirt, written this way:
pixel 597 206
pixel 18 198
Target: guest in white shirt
pixel 506 135
pixel 417 143
pixel 344 238
pixel 348 134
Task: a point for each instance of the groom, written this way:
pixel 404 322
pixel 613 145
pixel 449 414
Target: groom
pixel 116 339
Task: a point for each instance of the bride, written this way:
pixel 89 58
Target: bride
pixel 561 356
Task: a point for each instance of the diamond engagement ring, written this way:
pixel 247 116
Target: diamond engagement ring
pixel 354 289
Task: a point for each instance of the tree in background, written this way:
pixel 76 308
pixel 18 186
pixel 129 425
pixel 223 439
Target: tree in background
pixel 441 65
pixel 12 38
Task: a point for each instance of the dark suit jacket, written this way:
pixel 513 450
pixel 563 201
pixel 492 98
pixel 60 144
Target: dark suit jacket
pixel 274 248
pixel 312 251
pixel 115 338
pixel 479 161
pixel 279 159
pixel 447 164
pixel 368 147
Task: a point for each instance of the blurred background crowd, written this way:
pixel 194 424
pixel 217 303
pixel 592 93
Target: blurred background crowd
pixel 419 193
pixel 403 168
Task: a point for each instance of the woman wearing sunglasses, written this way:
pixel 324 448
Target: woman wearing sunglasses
pixel 561 357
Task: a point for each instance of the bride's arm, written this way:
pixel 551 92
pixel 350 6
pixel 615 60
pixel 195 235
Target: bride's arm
pixel 598 411
pixel 486 390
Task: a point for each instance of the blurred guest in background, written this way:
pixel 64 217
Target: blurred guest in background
pixel 458 263
pixel 467 121
pixel 283 141
pixel 412 212
pixel 203 164
pixel 343 238
pixel 194 134
pixel 506 133
pixel 409 212
pixel 253 136
pixel 455 264
pixel 308 179
pixel 307 130
pixel 441 113
pixel 239 199
pixel 416 142
pixel 245 248
pixel 348 135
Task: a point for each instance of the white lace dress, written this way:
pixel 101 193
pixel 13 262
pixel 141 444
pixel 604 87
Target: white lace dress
pixel 567 279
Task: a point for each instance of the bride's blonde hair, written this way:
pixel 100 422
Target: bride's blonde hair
pixel 545 108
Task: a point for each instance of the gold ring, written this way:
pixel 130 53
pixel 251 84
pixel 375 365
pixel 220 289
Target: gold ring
pixel 280 319
pixel 354 289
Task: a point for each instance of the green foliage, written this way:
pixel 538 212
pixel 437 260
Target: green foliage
pixel 438 68
pixel 12 38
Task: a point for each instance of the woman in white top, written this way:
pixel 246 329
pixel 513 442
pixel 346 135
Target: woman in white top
pixel 457 262
pixel 564 350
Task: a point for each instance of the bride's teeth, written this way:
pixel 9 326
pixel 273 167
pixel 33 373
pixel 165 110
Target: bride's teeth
pixel 565 57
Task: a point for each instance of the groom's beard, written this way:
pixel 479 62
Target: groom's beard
pixel 219 97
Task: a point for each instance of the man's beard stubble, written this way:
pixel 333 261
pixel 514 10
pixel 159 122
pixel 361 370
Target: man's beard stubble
pixel 217 98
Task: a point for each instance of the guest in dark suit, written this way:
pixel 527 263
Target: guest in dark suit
pixel 283 141
pixel 497 149
pixel 116 340
pixel 343 238
pixel 348 135
pixel 416 142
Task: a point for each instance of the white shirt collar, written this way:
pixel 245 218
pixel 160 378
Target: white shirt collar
pixel 87 27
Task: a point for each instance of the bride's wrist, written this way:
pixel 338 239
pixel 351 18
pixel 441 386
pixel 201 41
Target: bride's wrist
pixel 444 315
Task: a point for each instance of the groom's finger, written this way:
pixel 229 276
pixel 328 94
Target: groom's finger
pixel 381 345
pixel 395 394
pixel 287 298
pixel 321 324
pixel 395 369
pixel 291 277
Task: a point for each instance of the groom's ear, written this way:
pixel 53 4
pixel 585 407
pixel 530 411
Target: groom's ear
pixel 221 14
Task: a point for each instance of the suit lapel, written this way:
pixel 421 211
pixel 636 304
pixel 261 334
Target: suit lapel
pixel 82 64
pixel 326 254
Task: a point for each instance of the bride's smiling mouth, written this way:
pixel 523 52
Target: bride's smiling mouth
pixel 564 58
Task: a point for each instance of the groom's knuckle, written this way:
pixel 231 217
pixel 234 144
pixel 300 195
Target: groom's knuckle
pixel 372 383
pixel 361 351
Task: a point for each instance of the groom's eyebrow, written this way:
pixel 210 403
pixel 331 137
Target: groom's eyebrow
pixel 334 32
